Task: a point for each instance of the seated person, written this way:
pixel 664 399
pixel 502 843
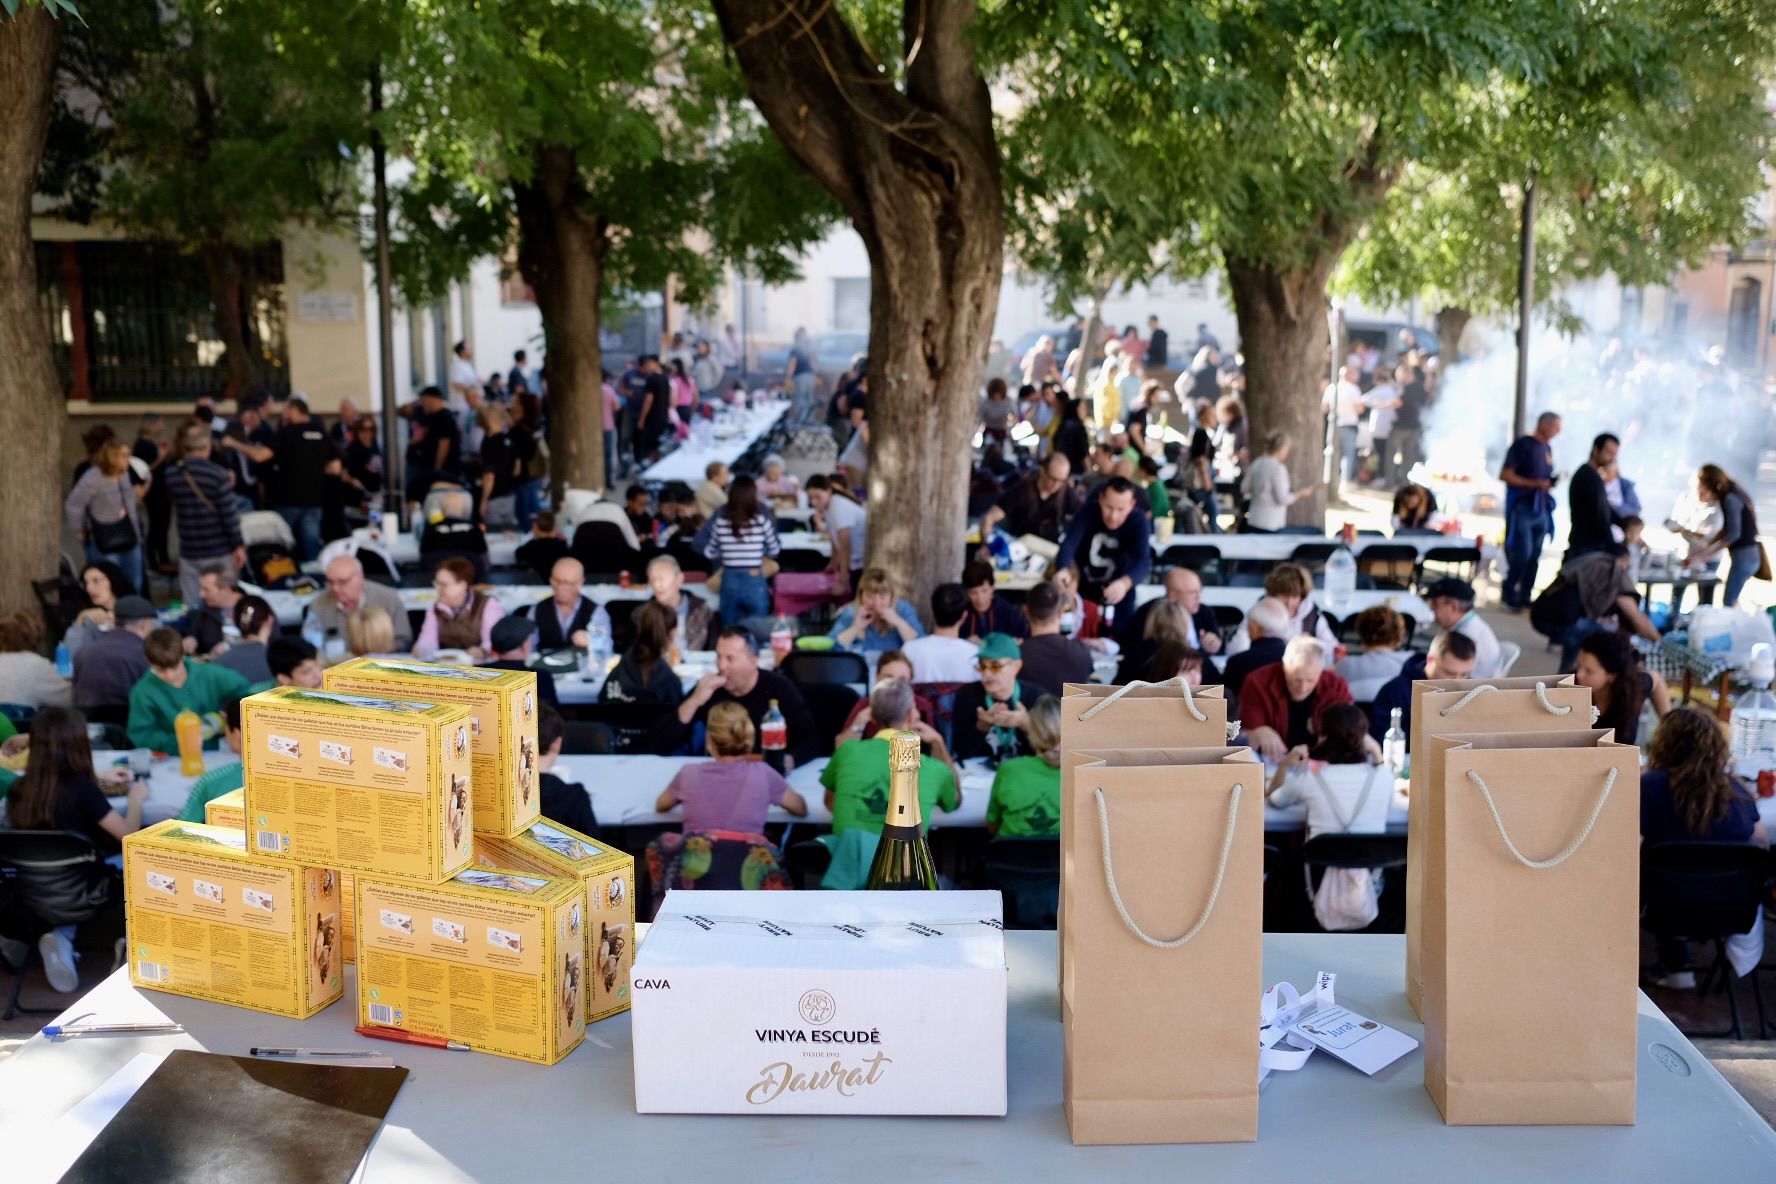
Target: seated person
pixel 860 725
pixel 991 715
pixel 257 624
pixel 644 673
pixel 1291 586
pixel 1414 507
pixel 737 678
pixel 456 533
pixel 712 495
pixel 1340 778
pixel 1026 801
pixel 1051 659
pixel 1382 632
pixel 942 656
pixel 108 667
pixel 698 624
pixel 877 620
pixel 223 779
pixel 1267 629
pixel 562 619
pixel 175 683
pixel 1168 622
pixel 545 545
pixel 370 633
pixel 512 637
pixel 777 488
pixel 1620 686
pixel 1452 607
pixel 1283 705
pixel 1175 659
pixel 348 590
pixel 560 800
pixel 207 624
pixel 1184 588
pixel 293 663
pixel 641 519
pixel 1686 793
pixel 27 678
pixel 1041 503
pixel 463 616
pixel 1451 657
pixel 986 612
pixel 857 776
pixel 104 584
pixel 734 791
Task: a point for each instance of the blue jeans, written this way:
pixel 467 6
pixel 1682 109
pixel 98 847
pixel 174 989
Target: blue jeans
pixel 1347 453
pixel 532 496
pixel 1742 564
pixel 1526 529
pixel 610 460
pixel 305 524
pixel 1210 507
pixel 1573 637
pixel 803 386
pixel 744 593
pixel 131 563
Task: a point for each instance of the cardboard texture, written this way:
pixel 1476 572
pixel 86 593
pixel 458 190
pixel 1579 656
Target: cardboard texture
pixel 208 919
pixel 230 810
pixel 549 849
pixel 1144 717
pixel 1437 710
pixel 494 958
pixel 1530 973
pixel 502 725
pixel 1161 1044
pixel 352 782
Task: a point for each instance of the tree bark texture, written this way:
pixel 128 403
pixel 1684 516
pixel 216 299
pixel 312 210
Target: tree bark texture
pixel 33 409
pixel 225 276
pixel 1452 322
pixel 561 249
pixel 916 169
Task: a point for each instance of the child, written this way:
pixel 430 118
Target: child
pixel 222 779
pixel 543 548
pixel 294 663
pixel 1350 792
pixel 733 792
pixel 562 801
pixel 1633 537
pixel 175 683
pixel 1026 801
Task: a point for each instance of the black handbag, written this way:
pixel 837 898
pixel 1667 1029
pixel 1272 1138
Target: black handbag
pixel 114 537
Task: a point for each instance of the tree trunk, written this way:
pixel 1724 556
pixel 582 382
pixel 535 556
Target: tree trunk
pixel 1283 335
pixel 33 409
pixel 561 249
pixel 223 274
pixel 1088 342
pixel 917 172
pixel 1452 322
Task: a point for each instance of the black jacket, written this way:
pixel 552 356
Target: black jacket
pixel 549 634
pixel 1588 503
pixel 1263 652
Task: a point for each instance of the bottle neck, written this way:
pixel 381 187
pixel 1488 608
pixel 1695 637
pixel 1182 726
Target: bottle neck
pixel 903 783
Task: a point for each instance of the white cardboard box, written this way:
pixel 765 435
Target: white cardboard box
pixel 821 1003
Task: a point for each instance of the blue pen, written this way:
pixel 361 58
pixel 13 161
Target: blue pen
pixel 66 1031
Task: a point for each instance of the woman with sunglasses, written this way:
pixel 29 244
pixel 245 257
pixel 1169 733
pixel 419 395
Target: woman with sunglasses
pixel 363 461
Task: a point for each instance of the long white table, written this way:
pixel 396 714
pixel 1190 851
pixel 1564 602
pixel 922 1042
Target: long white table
pixel 1243 599
pixel 403 547
pixel 1275 548
pixel 290 606
pixel 465 1117
pixel 688 461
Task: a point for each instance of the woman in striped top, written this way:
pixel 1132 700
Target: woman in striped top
pixel 741 538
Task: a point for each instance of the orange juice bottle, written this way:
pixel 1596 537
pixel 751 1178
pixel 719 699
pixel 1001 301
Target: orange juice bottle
pixel 189 729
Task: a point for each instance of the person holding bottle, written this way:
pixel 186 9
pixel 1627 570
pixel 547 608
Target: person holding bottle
pixel 173 684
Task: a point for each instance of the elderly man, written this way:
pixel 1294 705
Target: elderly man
pixel 1108 540
pixel 209 623
pixel 697 622
pixel 1267 625
pixel 1281 704
pixel 347 592
pixel 562 619
pixel 1451 656
pixel 856 779
pixel 1452 605
pixel 457 533
pixel 738 679
pixel 1184 588
pixel 992 715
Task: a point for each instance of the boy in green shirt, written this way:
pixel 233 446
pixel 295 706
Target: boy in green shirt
pixel 175 683
pixel 222 779
pixel 856 779
pixel 1026 801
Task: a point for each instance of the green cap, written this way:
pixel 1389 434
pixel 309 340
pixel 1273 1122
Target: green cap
pixel 999 646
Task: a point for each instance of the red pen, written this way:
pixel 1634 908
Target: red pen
pixel 402 1037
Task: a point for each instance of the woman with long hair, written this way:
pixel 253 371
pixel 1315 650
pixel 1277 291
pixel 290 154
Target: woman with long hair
pixel 1620 687
pixel 1686 793
pixel 1737 536
pixel 1349 792
pixel 644 673
pixel 104 584
pixel 257 624
pixel 104 512
pixel 742 538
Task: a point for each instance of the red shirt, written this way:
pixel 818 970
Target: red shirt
pixel 1264 699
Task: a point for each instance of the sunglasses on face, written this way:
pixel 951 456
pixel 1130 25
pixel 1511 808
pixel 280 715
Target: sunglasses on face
pixel 992 665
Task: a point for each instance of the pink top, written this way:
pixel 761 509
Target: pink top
pixel 427 642
pixel 684 392
pixel 612 405
pixel 727 795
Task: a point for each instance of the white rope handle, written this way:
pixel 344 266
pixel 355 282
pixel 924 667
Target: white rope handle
pixel 1119 692
pixel 1541 698
pixel 1233 801
pixel 1609 783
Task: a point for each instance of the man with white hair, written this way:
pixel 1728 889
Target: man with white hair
pixel 1268 627
pixel 1281 704
pixel 347 592
pixel 698 624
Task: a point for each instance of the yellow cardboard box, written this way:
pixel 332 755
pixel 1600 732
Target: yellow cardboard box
pixel 350 782
pixel 550 849
pixel 502 706
pixel 493 958
pixel 230 810
pixel 208 919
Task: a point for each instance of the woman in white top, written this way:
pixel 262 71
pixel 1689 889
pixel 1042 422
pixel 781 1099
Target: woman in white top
pixel 1346 790
pixel 1382 632
pixel 1267 487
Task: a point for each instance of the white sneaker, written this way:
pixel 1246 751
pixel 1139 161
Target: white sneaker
pixel 58 962
pixel 1677 980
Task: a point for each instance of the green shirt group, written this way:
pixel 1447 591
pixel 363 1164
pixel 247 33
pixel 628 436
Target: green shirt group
pixel 154 703
pixel 858 776
pixel 1026 801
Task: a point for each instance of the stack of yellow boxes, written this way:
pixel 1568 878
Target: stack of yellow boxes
pixel 391 819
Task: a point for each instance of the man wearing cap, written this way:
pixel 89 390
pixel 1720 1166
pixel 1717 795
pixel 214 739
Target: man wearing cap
pixel 1452 604
pixel 511 646
pixel 991 716
pixel 106 667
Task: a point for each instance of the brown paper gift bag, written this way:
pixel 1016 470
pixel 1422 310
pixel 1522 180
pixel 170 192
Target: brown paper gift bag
pixel 1532 933
pixel 1169 714
pixel 1461 707
pixel 1165 918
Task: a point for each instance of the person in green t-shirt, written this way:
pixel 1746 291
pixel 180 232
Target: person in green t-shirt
pixel 856 778
pixel 1026 801
pixel 175 683
pixel 222 779
pixel 1159 502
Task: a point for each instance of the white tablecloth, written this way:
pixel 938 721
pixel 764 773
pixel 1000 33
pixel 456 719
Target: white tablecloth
pixel 687 462
pixel 1275 548
pixel 290 606
pixel 403 548
pixel 1244 598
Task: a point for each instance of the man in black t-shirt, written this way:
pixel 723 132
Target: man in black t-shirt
pixel 1040 504
pixel 305 458
pixel 655 411
pixel 738 679
pixel 434 444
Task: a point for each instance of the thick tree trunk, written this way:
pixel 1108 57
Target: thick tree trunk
pixel 1283 335
pixel 561 249
pixel 1452 322
pixel 917 172
pixel 33 410
pixel 1088 343
pixel 223 274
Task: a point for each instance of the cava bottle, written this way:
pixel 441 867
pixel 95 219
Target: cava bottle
pixel 903 860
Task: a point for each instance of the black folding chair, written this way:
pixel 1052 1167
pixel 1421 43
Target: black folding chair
pixel 830 709
pixel 1229 617
pixel 1390 565
pixel 806 862
pixel 49 878
pixel 1313 555
pixel 824 668
pixel 585 738
pixel 1439 562
pixel 1027 871
pixel 1204 560
pixel 1708 891
pixel 630 725
pixel 1380 852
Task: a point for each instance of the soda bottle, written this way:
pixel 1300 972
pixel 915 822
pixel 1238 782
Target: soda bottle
pixel 774 736
pixel 782 638
pixel 1393 745
pixel 189 730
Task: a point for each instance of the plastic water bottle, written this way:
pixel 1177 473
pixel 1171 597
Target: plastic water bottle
pixel 598 638
pixel 64 662
pixel 314 633
pixel 375 522
pixel 782 638
pixel 1341 579
pixel 1754 717
pixel 1393 745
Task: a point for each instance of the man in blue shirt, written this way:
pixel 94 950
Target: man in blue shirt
pixel 1109 541
pixel 1528 474
pixel 1452 656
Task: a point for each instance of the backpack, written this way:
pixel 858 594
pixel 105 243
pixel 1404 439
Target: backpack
pixel 1347 897
pixel 1557 609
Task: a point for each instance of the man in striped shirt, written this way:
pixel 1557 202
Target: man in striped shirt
pixel 206 513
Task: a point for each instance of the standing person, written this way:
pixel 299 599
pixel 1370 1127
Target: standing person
pixel 363 462
pixel 1040 503
pixel 1157 345
pixel 106 668
pixel 1110 542
pixel 1197 472
pixel 1050 659
pixel 655 412
pixel 732 792
pixel 524 440
pixel 998 413
pixel 1588 499
pixel 434 444
pixel 463 616
pixel 1343 401
pixel 1266 487
pixel 844 521
pixel 706 371
pixel 731 355
pixel 1409 418
pixel 613 410
pixel 1414 507
pixel 800 378
pixel 1233 438
pixel 104 513
pixel 518 378
pixel 1528 474
pixel 206 513
pixel 465 384
pixel 1737 536
pixel 1039 363
pixel 942 655
pixel 153 450
pixel 502 470
pixel 305 458
pixel 1072 434
pixel 742 538
pixel 1383 403
pixel 684 391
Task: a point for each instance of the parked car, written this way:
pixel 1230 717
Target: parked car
pixel 833 352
